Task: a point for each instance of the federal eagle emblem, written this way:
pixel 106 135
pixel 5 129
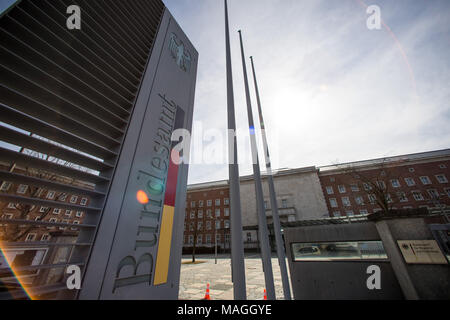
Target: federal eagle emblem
pixel 178 52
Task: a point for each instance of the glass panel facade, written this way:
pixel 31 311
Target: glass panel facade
pixel 338 251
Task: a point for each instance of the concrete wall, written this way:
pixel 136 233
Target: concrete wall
pixel 302 190
pixel 429 281
pixel 337 279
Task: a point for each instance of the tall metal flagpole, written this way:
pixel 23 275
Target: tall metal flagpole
pixel 273 199
pixel 237 244
pixel 262 221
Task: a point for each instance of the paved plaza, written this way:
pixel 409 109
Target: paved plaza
pixel 194 278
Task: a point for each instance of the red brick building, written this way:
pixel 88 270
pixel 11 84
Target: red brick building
pixel 409 181
pixel 207 216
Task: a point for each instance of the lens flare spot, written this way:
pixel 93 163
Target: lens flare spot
pixel 142 197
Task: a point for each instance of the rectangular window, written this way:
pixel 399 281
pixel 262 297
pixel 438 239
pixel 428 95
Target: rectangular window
pixel 341 188
pixel 284 203
pixel 402 197
pixel 45 237
pixel 381 185
pixel 5 186
pixel 217 213
pixel 73 199
pixel 417 195
pixel 200 226
pixel 79 214
pixel 410 182
pixel 217 202
pixel 359 200
pixel 433 193
pixel 363 211
pixel 330 190
pixel 192 204
pixel 388 198
pixel 68 212
pixel 227 212
pixel 354 187
pixel 62 197
pixel 209 203
pixel 83 201
pixel 425 180
pixel 209 213
pixel 372 198
pixel 30 237
pixel 56 211
pixel 367 186
pixel 191 239
pixel 200 203
pixel 442 166
pixel 227 224
pixel 333 203
pixel 227 238
pixel 338 251
pixel 208 225
pixel 11 205
pixel 192 214
pixel 346 201
pixel 226 201
pixel 208 239
pixel 336 214
pixel 395 183
pixel 217 225
pixel 200 214
pixel 51 195
pixel 441 178
pixel 22 188
pixel 349 213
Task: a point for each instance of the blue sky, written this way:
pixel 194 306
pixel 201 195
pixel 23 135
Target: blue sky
pixel 332 90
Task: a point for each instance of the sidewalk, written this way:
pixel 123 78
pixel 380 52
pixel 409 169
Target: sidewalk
pixel 194 277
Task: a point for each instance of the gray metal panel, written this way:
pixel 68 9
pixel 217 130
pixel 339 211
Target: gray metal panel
pixel 117 233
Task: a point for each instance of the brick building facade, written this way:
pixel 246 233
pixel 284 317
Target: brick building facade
pixel 407 182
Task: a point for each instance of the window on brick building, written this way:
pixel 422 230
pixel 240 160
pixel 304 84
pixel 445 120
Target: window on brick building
pixel 333 203
pixel 192 204
pixel 402 197
pixel 363 211
pixel 56 211
pixel 22 188
pixel 227 224
pixel 209 203
pixel 50 194
pixel 45 237
pixel 11 205
pixel 209 213
pixel 349 213
pixel 332 179
pixel 359 200
pixel 417 195
pixel 372 198
pixel 79 214
pixel 330 190
pixel 83 201
pixel 200 225
pixel 217 202
pixel 410 182
pixel 217 225
pixel 192 214
pixel 367 186
pixel 411 170
pixel 226 201
pixel 73 199
pixel 226 212
pixel 30 237
pixel 5 186
pixel 200 203
pixel 354 187
pixel 68 212
pixel 191 239
pixel 395 183
pixel 442 166
pixel 441 178
pixel 208 238
pixel 381 185
pixel 208 225
pixel 336 213
pixel 425 180
pixel 433 193
pixel 43 209
pixel 341 188
pixel 200 214
pixel 346 201
pixel 217 213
